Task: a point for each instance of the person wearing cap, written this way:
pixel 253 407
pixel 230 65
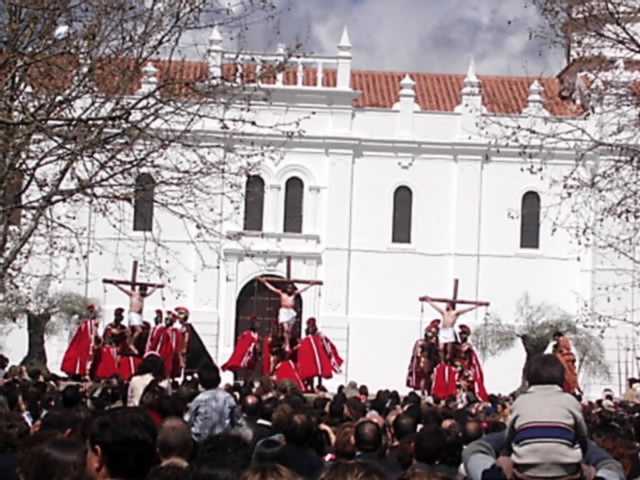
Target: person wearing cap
pixel 424 359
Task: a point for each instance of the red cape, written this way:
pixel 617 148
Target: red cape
pixel 127 366
pixel 106 362
pixel 478 377
pixel 445 381
pixel 415 375
pixel 170 352
pixel 287 371
pixel 154 339
pixel 244 355
pixel 77 358
pixel 318 357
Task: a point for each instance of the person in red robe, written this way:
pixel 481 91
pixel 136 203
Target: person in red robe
pixel 115 332
pixel 106 362
pixel 470 363
pixel 174 339
pixel 128 362
pixel 194 355
pixel 445 381
pixel 79 355
pixel 285 370
pixel 563 350
pixel 317 355
pixel 424 358
pixel 108 352
pixel 245 354
pixel 156 334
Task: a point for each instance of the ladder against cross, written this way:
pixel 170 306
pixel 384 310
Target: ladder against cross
pixel 133 282
pixel 454 300
pixel 289 278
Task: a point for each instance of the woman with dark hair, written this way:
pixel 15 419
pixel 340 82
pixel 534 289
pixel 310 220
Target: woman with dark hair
pixel 57 459
pixel 151 368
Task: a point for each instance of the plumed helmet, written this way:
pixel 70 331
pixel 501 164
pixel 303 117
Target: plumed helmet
pixel 182 312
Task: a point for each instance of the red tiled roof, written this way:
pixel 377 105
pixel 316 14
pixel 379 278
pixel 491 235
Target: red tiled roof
pixel 379 89
pixel 442 92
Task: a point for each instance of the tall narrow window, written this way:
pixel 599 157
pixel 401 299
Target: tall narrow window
pixel 12 202
pixel 253 203
pixel 402 205
pixel 143 203
pixel 530 221
pixel 293 199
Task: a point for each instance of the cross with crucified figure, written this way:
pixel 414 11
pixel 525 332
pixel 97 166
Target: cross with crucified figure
pixel 137 293
pixel 447 334
pixel 287 314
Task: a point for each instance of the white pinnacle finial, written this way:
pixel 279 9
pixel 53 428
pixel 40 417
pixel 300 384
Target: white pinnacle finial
pixel 345 41
pixel 535 88
pixel 471 71
pixel 407 82
pixel 535 101
pixel 149 79
pixel 215 36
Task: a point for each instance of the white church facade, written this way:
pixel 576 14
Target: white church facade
pixel 393 191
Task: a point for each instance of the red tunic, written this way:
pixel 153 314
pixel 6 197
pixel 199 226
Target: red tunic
pixel 154 340
pixel 286 371
pixel 106 362
pixel 478 377
pixel 127 366
pixel 244 355
pixel 77 358
pixel 445 381
pixel 416 376
pixel 171 356
pixel 318 357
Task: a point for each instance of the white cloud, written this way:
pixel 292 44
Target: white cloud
pixel 417 35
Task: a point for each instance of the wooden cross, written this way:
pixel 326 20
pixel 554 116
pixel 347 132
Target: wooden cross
pixel 288 279
pixel 454 299
pixel 133 283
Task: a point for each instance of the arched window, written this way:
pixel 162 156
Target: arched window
pixel 143 203
pixel 293 199
pixel 402 205
pixel 530 221
pixel 253 203
pixel 12 201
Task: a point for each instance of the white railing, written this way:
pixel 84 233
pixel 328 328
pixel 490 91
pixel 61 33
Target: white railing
pixel 279 63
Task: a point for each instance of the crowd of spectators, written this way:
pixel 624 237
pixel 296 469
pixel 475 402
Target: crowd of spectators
pixel 55 429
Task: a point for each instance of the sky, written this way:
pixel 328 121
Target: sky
pixel 417 35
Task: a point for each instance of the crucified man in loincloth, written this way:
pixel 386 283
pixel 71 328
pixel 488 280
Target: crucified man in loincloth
pixel 136 306
pixel 287 313
pixel 447 335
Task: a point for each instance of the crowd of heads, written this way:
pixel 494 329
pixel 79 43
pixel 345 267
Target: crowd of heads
pixel 54 429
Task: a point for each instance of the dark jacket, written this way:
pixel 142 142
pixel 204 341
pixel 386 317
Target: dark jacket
pixel 304 461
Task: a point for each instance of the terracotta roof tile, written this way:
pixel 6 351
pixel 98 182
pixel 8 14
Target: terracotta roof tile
pixel 379 89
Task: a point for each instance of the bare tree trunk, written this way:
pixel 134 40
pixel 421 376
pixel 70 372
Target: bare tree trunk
pixel 36 354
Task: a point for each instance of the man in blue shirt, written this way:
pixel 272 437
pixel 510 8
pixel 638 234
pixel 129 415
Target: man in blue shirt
pixel 213 410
